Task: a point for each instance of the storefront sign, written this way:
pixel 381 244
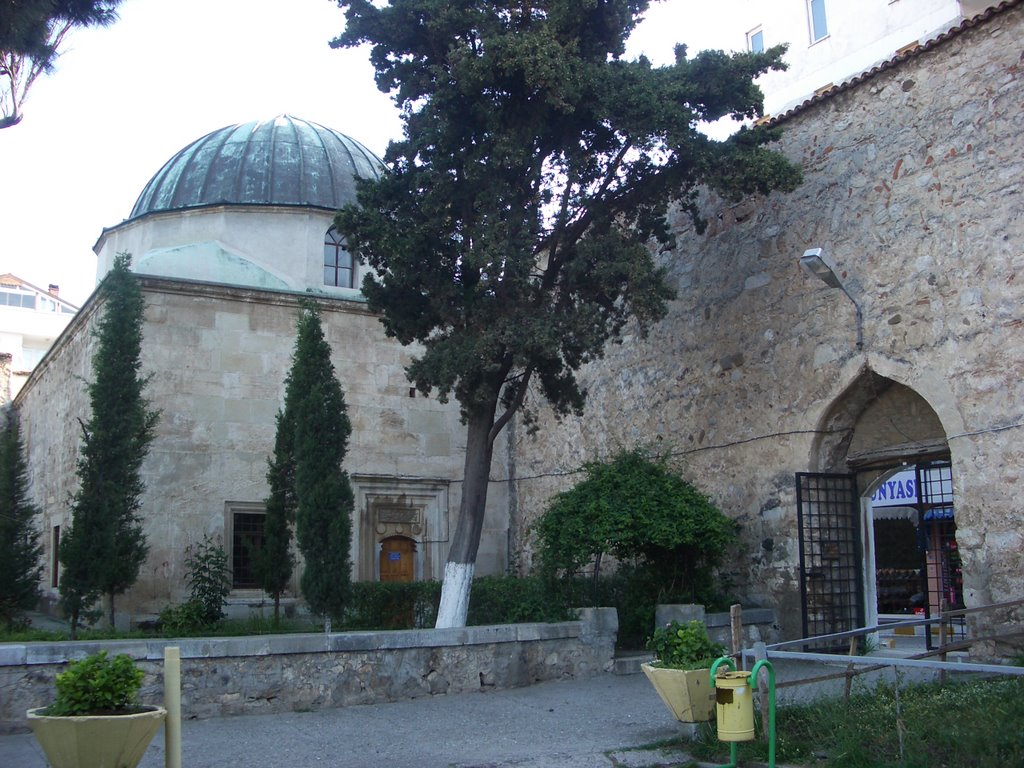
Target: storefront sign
pixel 900 490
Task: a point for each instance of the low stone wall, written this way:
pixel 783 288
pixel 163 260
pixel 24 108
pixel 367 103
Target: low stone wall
pixel 759 624
pixel 279 673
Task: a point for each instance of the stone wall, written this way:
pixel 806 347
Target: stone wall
pixel 281 673
pixel 913 187
pixel 218 357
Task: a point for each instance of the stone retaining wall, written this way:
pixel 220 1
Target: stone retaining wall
pixel 280 673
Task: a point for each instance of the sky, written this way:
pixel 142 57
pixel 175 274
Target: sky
pixel 125 98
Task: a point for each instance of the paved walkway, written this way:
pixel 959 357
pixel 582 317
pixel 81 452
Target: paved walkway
pixel 604 721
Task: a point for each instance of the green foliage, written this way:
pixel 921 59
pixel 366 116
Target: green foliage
pixel 209 580
pixel 392 605
pixel 273 561
pixel 97 685
pixel 31 32
pixel 512 236
pixel 184 620
pixel 26 25
pixel 20 551
pixel 509 600
pixel 974 724
pixel 315 409
pixel 638 511
pixel 105 547
pixel 496 600
pixel 684 646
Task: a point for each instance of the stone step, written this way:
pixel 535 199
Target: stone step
pixel 629 663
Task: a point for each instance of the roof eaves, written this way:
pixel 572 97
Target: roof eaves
pixel 905 53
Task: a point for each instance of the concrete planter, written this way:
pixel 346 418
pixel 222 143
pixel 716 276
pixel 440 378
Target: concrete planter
pixel 96 741
pixel 686 692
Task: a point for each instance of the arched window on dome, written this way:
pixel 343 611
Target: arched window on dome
pixel 338 267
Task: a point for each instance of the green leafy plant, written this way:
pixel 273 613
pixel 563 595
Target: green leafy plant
pixel 684 646
pixel 98 685
pixel 636 509
pixel 209 580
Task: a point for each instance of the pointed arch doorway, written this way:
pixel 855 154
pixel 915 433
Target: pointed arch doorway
pixel 877 523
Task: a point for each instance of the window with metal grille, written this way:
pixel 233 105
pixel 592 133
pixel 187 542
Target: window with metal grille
pixel 246 539
pixel 338 269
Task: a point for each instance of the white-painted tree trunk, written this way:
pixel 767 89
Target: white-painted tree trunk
pixel 458 579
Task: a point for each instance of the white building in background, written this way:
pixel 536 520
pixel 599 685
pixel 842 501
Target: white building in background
pixel 833 41
pixel 31 318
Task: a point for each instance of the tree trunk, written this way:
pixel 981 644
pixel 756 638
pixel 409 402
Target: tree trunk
pixel 458 571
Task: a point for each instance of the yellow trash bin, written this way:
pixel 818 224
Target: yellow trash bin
pixel 734 707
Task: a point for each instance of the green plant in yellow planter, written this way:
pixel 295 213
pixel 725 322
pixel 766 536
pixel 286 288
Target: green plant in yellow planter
pixel 683 654
pixel 96 720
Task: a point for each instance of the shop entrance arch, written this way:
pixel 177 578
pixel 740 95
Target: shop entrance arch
pixel 912 555
pixel 877 524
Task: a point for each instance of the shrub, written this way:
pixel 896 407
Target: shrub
pixel 97 685
pixel 684 646
pixel 638 511
pixel 209 580
pixel 392 605
pixel 511 600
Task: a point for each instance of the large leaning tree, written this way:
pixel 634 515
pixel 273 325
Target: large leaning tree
pixel 105 547
pixel 514 233
pixel 31 34
pixel 20 552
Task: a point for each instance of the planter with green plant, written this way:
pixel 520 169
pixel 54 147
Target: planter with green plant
pixel 96 720
pixel 683 654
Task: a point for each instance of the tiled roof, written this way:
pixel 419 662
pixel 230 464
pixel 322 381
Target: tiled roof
pixel 904 54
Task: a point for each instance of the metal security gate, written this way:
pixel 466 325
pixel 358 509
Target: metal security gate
pixel 831 586
pixel 943 579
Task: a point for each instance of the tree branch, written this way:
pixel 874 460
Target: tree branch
pixel 509 412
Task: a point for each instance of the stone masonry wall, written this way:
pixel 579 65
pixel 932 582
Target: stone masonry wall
pixel 281 673
pixel 218 357
pixel 913 187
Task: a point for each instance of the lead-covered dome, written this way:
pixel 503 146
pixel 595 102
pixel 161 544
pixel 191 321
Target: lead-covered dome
pixel 285 161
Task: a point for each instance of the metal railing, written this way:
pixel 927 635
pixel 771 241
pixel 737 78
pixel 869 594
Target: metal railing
pixel 858 664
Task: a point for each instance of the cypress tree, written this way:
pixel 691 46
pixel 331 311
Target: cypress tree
pixel 513 236
pixel 316 412
pixel 273 562
pixel 20 551
pixel 106 546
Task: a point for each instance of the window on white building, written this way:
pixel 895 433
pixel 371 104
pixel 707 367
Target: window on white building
pixel 755 40
pixel 818 22
pixel 338 269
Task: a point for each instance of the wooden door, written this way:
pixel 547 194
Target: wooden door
pixel 397 559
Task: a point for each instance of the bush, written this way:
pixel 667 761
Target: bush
pixel 209 580
pixel 684 646
pixel 511 600
pixel 97 685
pixel 636 510
pixel 496 600
pixel 392 605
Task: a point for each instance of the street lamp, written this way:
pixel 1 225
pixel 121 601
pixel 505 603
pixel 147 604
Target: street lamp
pixel 815 262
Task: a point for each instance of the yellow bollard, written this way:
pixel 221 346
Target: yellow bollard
pixel 172 703
pixel 734 706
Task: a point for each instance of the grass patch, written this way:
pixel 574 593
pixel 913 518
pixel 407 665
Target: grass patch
pixel 974 724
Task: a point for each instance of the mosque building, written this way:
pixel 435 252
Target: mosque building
pixel 840 370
